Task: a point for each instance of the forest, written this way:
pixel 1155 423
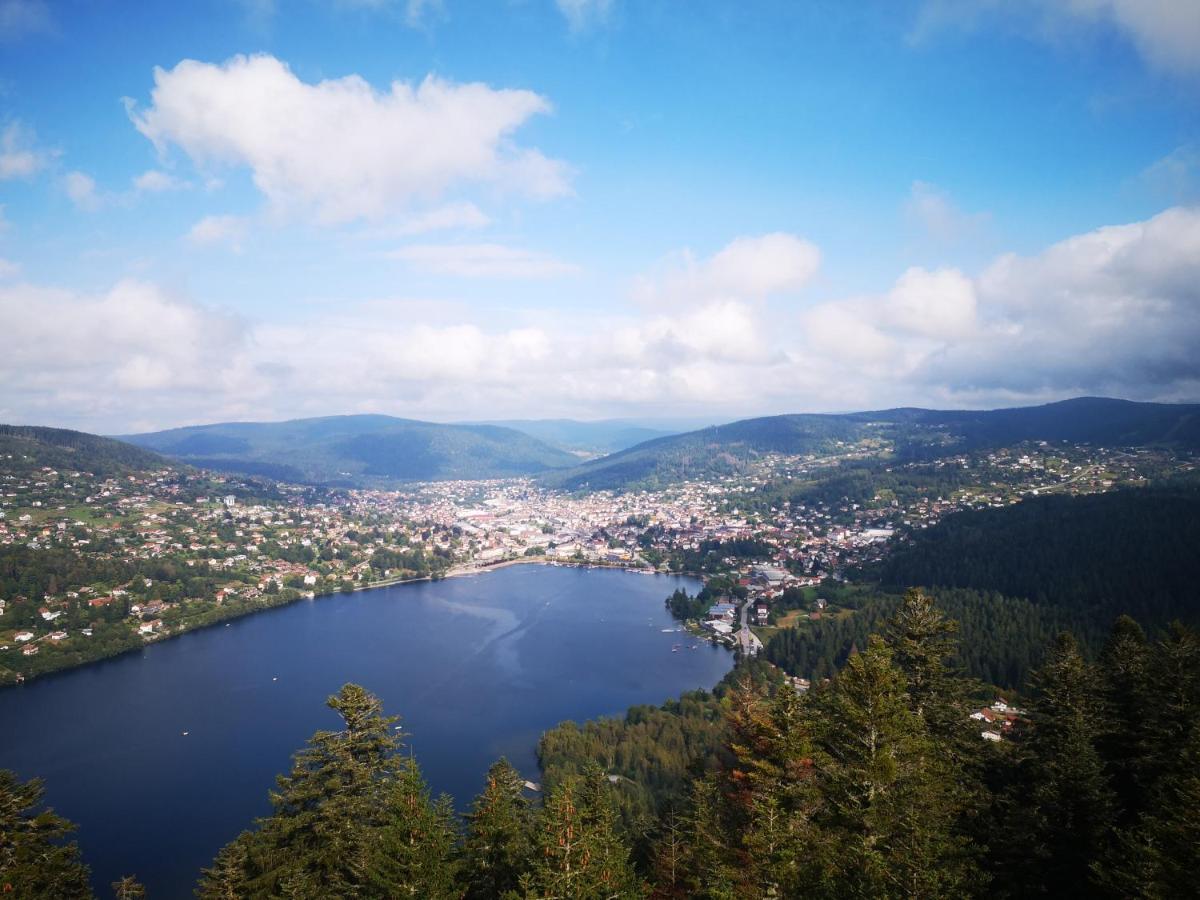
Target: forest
pixel 875 783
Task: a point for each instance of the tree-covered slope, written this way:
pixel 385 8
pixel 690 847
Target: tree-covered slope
pixel 24 448
pixel 1085 558
pixel 719 450
pixel 1083 420
pixel 587 438
pixel 724 449
pixel 358 450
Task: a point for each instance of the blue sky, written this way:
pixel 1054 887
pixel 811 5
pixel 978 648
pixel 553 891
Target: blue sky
pixel 590 208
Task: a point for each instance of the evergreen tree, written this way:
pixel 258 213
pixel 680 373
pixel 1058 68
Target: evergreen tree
pixel 1065 807
pixel 579 852
pixel 499 842
pixel 1159 858
pixel 772 787
pixel 228 878
pixel 415 855
pixel 128 888
pixel 885 823
pixel 1125 685
pixel 34 861
pixel 1175 710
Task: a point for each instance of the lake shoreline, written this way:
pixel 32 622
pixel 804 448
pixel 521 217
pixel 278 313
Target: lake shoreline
pixel 235 614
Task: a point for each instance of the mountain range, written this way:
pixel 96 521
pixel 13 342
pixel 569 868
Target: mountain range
pixel 725 449
pixel 360 451
pixel 382 451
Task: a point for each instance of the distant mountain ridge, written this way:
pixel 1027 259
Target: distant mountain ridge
pixel 725 449
pixel 590 438
pixel 33 446
pixel 357 450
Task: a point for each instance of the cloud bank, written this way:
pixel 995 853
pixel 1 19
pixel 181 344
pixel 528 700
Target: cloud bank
pixel 1112 311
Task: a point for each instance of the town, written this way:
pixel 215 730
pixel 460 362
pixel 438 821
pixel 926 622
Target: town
pixel 100 565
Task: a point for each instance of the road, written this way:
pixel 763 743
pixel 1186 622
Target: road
pixel 747 640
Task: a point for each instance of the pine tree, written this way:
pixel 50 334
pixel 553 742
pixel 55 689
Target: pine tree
pixel 499 842
pixel 885 824
pixel 415 853
pixel 34 861
pixel 228 877
pixel 1125 686
pixel 771 784
pixel 128 888
pixel 1066 809
pixel 320 840
pixel 578 851
pixel 1159 858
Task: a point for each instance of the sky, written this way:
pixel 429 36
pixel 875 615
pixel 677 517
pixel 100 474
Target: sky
pixel 264 209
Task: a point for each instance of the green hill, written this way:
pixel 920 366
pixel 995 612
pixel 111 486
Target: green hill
pixel 916 433
pixel 362 450
pixel 26 447
pixel 587 438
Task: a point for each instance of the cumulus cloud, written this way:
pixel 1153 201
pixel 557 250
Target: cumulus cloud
pixel 1113 311
pixel 155 181
pixel 393 148
pixel 19 18
pixel 747 267
pixel 444 218
pixel 19 155
pixel 230 230
pixel 584 14
pixel 1165 32
pixel 81 188
pixel 1175 176
pixel 935 213
pixel 482 261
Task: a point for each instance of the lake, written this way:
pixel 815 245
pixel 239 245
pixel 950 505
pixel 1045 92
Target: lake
pixel 477 667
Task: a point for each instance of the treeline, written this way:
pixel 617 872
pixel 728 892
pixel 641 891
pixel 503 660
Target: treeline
pixel 652 753
pixel 875 784
pixel 59 448
pixel 1080 560
pixel 861 482
pixel 1003 638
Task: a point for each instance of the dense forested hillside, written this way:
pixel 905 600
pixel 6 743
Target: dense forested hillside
pixel 714 451
pixel 913 433
pixel 1083 559
pixel 24 448
pixel 358 450
pixel 587 438
pixel 1014 576
pixel 877 783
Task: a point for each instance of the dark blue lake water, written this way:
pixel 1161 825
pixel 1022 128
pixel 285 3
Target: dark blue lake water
pixel 478 667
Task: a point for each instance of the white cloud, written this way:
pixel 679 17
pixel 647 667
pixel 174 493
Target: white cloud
pixel 155 181
pixel 19 155
pixel 8 268
pixel 482 261
pixel 583 14
pixel 933 210
pixel 1175 176
pixel 1165 32
pixel 210 230
pixel 1113 311
pixel 19 18
pixel 393 147
pixel 81 188
pixel 444 218
pixel 747 267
